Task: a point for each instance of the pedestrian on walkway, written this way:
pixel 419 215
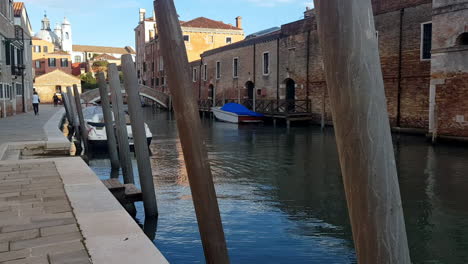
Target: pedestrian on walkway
pixel 56 99
pixel 35 101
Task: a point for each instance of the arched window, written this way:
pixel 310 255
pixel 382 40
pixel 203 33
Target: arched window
pixel 462 40
pixel 67 35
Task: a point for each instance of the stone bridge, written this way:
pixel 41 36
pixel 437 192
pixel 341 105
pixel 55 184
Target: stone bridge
pixel 160 98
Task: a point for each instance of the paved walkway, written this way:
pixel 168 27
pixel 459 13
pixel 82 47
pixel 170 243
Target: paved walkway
pixel 27 126
pixel 37 224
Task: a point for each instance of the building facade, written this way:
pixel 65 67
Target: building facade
pixel 200 34
pixel 423 57
pixel 15 59
pixel 87 53
pixel 54 82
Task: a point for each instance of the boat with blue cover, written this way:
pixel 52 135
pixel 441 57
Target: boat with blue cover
pixel 236 113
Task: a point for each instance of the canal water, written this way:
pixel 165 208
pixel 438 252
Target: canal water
pixel 281 195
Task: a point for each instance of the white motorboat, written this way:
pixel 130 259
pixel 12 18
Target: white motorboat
pixel 97 136
pixel 236 113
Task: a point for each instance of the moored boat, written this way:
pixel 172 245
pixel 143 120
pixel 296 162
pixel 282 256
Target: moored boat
pixel 236 113
pixel 97 136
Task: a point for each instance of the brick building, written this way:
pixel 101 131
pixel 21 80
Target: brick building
pixel 46 58
pixel 200 34
pixel 15 59
pixel 417 63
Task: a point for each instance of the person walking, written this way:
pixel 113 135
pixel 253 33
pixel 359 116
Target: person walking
pixel 56 99
pixel 35 101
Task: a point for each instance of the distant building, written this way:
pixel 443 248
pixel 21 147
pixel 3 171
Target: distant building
pixel 54 82
pixel 15 59
pixel 85 53
pixel 423 48
pixel 200 34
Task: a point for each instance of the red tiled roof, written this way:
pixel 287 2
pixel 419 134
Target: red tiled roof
pixel 18 8
pixel 105 57
pixel 203 22
pixel 101 49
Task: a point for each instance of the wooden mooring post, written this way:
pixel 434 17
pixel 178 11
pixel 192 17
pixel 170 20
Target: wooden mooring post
pixel 189 127
pixel 67 109
pixel 356 90
pixel 139 136
pixel 120 123
pixel 79 110
pixel 73 114
pixel 109 122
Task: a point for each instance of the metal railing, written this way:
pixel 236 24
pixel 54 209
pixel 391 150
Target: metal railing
pixel 264 106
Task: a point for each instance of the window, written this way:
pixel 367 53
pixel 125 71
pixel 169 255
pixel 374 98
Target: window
pixel 144 66
pixel 7 53
pixel 163 81
pixel 19 89
pixel 161 63
pixel 67 35
pixel 205 72
pixel 64 62
pixel 218 70
pixel 37 48
pixel 157 81
pixel 52 62
pixel 77 58
pixel 266 63
pixel 210 39
pixel 235 68
pixel 46 49
pixel 152 66
pixel 228 40
pixel 426 40
pixel 37 64
pixel 186 38
pixel 1 90
pixel 152 82
pixel 194 75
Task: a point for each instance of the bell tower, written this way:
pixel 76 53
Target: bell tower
pixel 67 44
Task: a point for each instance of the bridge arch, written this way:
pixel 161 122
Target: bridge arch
pixel 160 98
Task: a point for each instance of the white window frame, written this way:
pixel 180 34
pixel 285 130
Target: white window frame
pixel 36 63
pixel 205 72
pixel 218 70
pixel 194 74
pixel 263 63
pixel 188 41
pixel 235 71
pixel 422 42
pixel 227 40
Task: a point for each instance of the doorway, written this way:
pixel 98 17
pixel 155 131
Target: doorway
pixel 290 94
pixel 250 94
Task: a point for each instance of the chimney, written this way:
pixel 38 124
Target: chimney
pixel 238 22
pixel 142 14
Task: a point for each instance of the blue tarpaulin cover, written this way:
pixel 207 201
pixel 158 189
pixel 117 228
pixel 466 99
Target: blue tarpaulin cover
pixel 239 109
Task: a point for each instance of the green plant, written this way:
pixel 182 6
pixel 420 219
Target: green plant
pixel 88 81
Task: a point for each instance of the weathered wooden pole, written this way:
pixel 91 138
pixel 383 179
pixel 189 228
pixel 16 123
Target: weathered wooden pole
pixel 139 136
pixel 355 84
pixel 67 109
pixel 79 110
pixel 189 127
pixel 71 103
pixel 109 121
pixel 120 123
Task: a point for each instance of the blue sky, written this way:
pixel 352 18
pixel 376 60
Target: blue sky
pixel 111 22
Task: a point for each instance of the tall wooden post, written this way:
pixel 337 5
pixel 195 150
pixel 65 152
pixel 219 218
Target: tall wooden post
pixel 189 127
pixel 139 136
pixel 109 121
pixel 355 84
pixel 67 108
pixel 79 110
pixel 120 123
pixel 74 121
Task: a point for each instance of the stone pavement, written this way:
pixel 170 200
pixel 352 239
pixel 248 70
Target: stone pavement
pixel 26 126
pixel 37 224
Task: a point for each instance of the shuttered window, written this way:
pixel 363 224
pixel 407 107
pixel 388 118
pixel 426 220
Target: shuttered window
pixel 426 41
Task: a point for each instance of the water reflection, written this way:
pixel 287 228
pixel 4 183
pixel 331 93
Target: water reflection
pixel 282 199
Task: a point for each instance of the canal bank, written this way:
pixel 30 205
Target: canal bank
pixel 54 208
pixel 282 200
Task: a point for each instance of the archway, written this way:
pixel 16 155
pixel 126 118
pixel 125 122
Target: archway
pixel 462 40
pixel 250 94
pixel 210 91
pixel 290 94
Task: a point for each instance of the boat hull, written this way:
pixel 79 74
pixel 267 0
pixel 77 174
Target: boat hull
pixel 230 117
